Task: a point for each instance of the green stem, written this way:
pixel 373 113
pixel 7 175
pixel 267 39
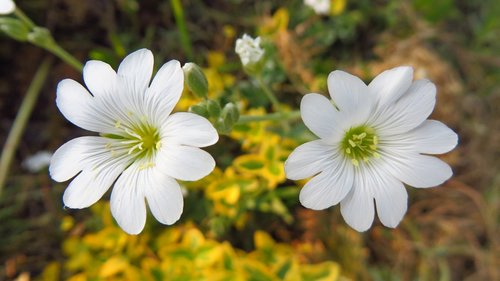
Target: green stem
pixel 22 117
pixel 277 116
pixel 270 95
pixel 22 16
pixel 65 56
pixel 181 25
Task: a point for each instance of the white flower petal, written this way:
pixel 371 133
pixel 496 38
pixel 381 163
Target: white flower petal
pixel 309 159
pixel 415 169
pixel 432 137
pixel 99 78
pixel 357 207
pixel 91 184
pixel 135 71
pixel 321 117
pixel 409 111
pixel 164 197
pixel 189 129
pixel 76 154
pixel 351 95
pixel 329 187
pixel 185 162
pixel 165 90
pixel 391 199
pixel 391 84
pixel 81 109
pixel 127 203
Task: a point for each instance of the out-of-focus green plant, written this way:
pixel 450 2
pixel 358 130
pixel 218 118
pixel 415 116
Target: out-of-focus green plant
pixel 181 252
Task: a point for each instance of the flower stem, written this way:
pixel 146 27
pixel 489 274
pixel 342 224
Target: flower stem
pixel 22 16
pixel 270 95
pixel 49 43
pixel 181 25
pixel 65 56
pixel 277 116
pixel 22 117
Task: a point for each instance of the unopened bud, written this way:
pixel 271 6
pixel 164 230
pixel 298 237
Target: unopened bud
pixel 200 109
pixel 41 37
pixel 195 79
pixel 222 126
pixel 230 113
pixel 213 108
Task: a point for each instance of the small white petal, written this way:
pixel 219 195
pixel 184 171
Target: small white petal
pixel 391 84
pixel 357 207
pixel 164 197
pixel 351 95
pixel 329 187
pixel 99 78
pixel 91 184
pixel 309 159
pixel 185 162
pixel 135 71
pixel 189 129
pixel 391 200
pixel 81 109
pixel 127 203
pixel 409 111
pixel 321 117
pixel 165 90
pixel 432 137
pixel 416 170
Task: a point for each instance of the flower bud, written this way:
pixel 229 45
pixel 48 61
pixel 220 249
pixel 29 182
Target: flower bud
pixel 41 37
pixel 213 108
pixel 14 28
pixel 230 113
pixel 199 109
pixel 195 79
pixel 222 126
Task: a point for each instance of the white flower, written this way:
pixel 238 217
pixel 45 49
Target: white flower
pixel 141 147
pixel 7 7
pixel 321 7
pixel 374 139
pixel 249 50
pixel 37 161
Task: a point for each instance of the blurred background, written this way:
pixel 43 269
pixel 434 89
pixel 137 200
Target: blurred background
pixel 244 221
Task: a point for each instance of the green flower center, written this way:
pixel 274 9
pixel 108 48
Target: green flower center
pixel 360 144
pixel 140 141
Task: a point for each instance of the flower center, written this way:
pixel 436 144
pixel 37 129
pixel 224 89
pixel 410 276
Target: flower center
pixel 139 141
pixel 360 144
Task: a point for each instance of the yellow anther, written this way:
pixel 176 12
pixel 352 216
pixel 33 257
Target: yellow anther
pixel 348 150
pixel 118 124
pixel 355 162
pixel 375 140
pixel 352 143
pixel 362 135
